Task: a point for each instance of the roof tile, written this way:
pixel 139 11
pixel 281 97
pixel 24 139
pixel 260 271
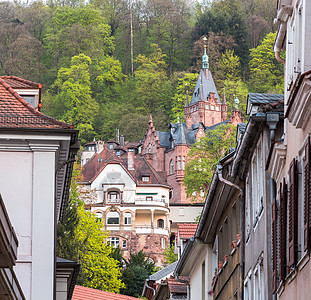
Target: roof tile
pixel 15 112
pixel 186 231
pixel 84 293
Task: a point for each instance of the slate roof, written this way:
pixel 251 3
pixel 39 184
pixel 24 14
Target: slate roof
pixel 186 231
pixel 164 272
pixel 84 293
pixel 262 98
pixel 15 112
pixel 20 83
pixel 208 86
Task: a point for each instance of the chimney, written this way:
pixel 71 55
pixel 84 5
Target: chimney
pixel 121 140
pixel 130 159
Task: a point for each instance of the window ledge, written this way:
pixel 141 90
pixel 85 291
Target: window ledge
pixel 303 261
pixel 291 276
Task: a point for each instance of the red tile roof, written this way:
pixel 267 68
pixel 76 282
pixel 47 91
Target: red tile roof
pixel 186 231
pixel 176 287
pixel 20 83
pixel 15 112
pixel 84 293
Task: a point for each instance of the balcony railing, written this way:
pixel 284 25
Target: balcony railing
pixel 154 201
pixel 149 229
pixel 113 201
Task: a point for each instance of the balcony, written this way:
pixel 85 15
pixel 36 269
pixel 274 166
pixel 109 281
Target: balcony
pixel 8 239
pixel 150 202
pixel 147 229
pixel 114 201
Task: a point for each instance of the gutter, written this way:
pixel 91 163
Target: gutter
pixel 186 283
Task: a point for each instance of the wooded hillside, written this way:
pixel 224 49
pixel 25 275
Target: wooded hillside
pixel 110 63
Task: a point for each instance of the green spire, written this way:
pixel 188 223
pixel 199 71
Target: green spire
pixel 205 64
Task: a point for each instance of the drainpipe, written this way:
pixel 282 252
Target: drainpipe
pixel 149 287
pixel 185 282
pixel 242 225
pixel 272 121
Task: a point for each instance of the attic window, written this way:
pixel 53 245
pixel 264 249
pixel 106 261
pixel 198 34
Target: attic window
pixel 110 146
pixel 146 178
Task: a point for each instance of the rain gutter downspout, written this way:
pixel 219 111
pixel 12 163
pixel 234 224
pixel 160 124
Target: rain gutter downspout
pixel 149 287
pixel 242 224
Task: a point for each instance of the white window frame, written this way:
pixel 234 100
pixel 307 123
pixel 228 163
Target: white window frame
pixel 114 242
pixel 113 213
pixel 127 218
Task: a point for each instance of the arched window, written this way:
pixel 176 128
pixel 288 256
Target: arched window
pixel 99 216
pixel 114 197
pixel 160 223
pixel 113 218
pixel 127 218
pixel 171 167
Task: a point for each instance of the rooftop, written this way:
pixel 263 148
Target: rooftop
pixel 84 293
pixel 186 231
pixel 164 272
pixel 15 112
pixel 20 83
pixel 262 98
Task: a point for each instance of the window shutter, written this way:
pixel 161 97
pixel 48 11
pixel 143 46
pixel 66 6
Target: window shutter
pixel 282 230
pixel 307 222
pixel 293 215
pixel 274 247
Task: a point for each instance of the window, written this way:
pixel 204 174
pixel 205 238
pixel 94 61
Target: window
pixel 99 216
pixel 146 178
pixel 181 211
pixel 127 218
pixel 217 108
pixel 212 107
pixel 114 242
pixel 149 198
pixel 179 162
pixel 110 146
pixel 163 243
pixel 183 162
pixel 124 244
pixel 114 197
pixel 160 223
pixel 247 210
pixel 171 167
pixel 259 289
pixel 30 99
pixel 248 287
pixel 113 218
pixel 257 183
pixel 207 106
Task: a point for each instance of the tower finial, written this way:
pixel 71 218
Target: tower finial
pixel 187 99
pixel 205 64
pixel 236 102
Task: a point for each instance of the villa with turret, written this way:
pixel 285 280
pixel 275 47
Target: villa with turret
pixel 164 155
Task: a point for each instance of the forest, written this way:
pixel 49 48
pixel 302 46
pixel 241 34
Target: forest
pixel 109 64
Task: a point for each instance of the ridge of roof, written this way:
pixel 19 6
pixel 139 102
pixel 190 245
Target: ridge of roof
pixel 84 293
pixel 15 78
pixel 31 109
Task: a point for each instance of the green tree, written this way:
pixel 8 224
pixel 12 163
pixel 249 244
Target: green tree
pixel 238 89
pixel 137 269
pixel 80 238
pixel 153 91
pixel 229 66
pixel 75 30
pixel 73 102
pixel 266 73
pixel 203 158
pixel 169 255
pixel 185 84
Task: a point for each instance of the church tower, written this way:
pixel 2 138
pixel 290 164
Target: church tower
pixel 205 106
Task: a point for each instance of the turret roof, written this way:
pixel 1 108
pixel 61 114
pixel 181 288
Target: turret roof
pixel 208 87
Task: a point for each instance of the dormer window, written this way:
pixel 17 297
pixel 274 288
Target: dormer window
pixel 30 99
pixel 110 146
pixel 146 178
